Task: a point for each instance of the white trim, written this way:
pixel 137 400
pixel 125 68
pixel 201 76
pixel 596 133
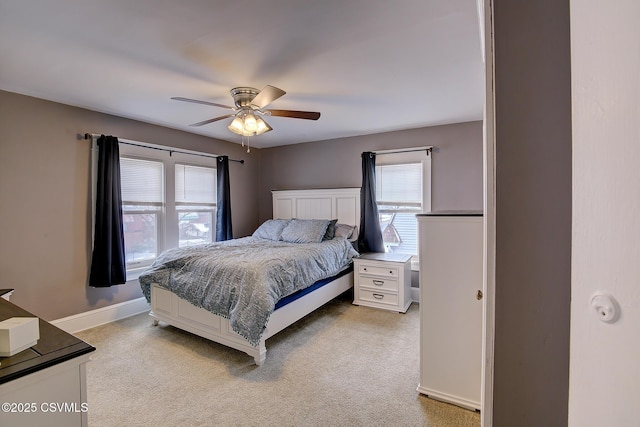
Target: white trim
pixel 489 201
pixel 481 24
pixel 91 319
pixel 449 398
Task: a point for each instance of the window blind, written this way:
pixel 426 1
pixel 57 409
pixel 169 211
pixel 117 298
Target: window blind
pixel 399 184
pixel 141 181
pixel 195 184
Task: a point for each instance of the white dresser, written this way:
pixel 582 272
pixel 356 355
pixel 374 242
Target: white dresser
pixel 44 385
pixel 382 280
pixel 451 283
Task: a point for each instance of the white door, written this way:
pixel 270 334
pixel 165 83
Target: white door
pixel 604 380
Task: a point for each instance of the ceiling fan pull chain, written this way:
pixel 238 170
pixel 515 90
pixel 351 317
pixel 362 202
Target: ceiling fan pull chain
pixel 247 144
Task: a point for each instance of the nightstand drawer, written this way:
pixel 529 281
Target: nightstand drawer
pixel 378 270
pixel 378 298
pixel 379 283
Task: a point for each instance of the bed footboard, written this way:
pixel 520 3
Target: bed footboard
pixel 168 307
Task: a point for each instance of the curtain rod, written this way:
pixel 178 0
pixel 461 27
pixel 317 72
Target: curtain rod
pixel 212 156
pixel 428 149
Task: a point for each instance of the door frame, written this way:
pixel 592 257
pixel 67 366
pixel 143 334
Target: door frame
pixel 485 15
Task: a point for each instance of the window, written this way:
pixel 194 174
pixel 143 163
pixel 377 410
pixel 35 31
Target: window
pixel 195 204
pixel 399 197
pixel 142 203
pixel 169 200
pixel 403 189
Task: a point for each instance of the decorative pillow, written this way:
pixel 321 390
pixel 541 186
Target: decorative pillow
pixel 271 229
pixel 331 230
pixel 305 230
pixel 346 231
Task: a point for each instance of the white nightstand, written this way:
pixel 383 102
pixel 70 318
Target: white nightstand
pixel 382 280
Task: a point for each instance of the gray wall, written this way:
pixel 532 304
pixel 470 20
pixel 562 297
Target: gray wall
pixel 533 212
pixel 44 189
pixel 456 165
pixel 44 192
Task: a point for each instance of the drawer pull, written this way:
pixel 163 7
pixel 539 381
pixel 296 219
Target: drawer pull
pixel 378 296
pixel 378 282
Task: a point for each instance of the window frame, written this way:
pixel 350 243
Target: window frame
pixel 168 226
pixel 158 212
pixel 199 207
pixel 411 156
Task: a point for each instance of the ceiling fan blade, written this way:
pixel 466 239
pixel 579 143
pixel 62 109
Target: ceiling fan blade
pixel 267 96
pixel 307 115
pixel 206 122
pixel 195 101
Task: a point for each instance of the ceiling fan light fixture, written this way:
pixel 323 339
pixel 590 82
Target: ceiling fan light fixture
pixel 248 102
pixel 250 123
pixel 239 125
pixel 262 126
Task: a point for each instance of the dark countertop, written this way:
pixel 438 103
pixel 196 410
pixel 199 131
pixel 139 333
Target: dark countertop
pixel 452 213
pixel 54 346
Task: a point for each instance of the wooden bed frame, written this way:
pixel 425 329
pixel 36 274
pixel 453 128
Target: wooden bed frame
pixel 343 204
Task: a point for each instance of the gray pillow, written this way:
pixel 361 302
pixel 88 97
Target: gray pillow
pixel 331 230
pixel 346 231
pixel 305 231
pixel 271 229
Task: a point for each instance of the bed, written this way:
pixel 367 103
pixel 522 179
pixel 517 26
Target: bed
pixel 179 308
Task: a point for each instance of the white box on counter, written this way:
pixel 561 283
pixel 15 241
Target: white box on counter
pixel 18 334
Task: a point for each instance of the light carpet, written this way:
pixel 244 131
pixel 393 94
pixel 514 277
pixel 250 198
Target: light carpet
pixel 342 365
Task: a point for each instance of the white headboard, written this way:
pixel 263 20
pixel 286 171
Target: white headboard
pixel 340 203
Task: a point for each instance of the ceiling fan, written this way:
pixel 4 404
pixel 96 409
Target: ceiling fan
pixel 249 106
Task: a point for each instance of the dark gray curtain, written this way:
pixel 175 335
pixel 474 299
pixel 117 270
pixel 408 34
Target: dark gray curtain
pixel 108 265
pixel 370 236
pixel 223 210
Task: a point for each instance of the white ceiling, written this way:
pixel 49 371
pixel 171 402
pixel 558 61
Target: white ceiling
pixel 368 66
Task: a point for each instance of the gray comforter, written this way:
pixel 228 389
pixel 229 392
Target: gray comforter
pixel 242 279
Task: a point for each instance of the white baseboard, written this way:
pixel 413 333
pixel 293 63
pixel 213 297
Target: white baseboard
pixel 91 319
pixel 101 316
